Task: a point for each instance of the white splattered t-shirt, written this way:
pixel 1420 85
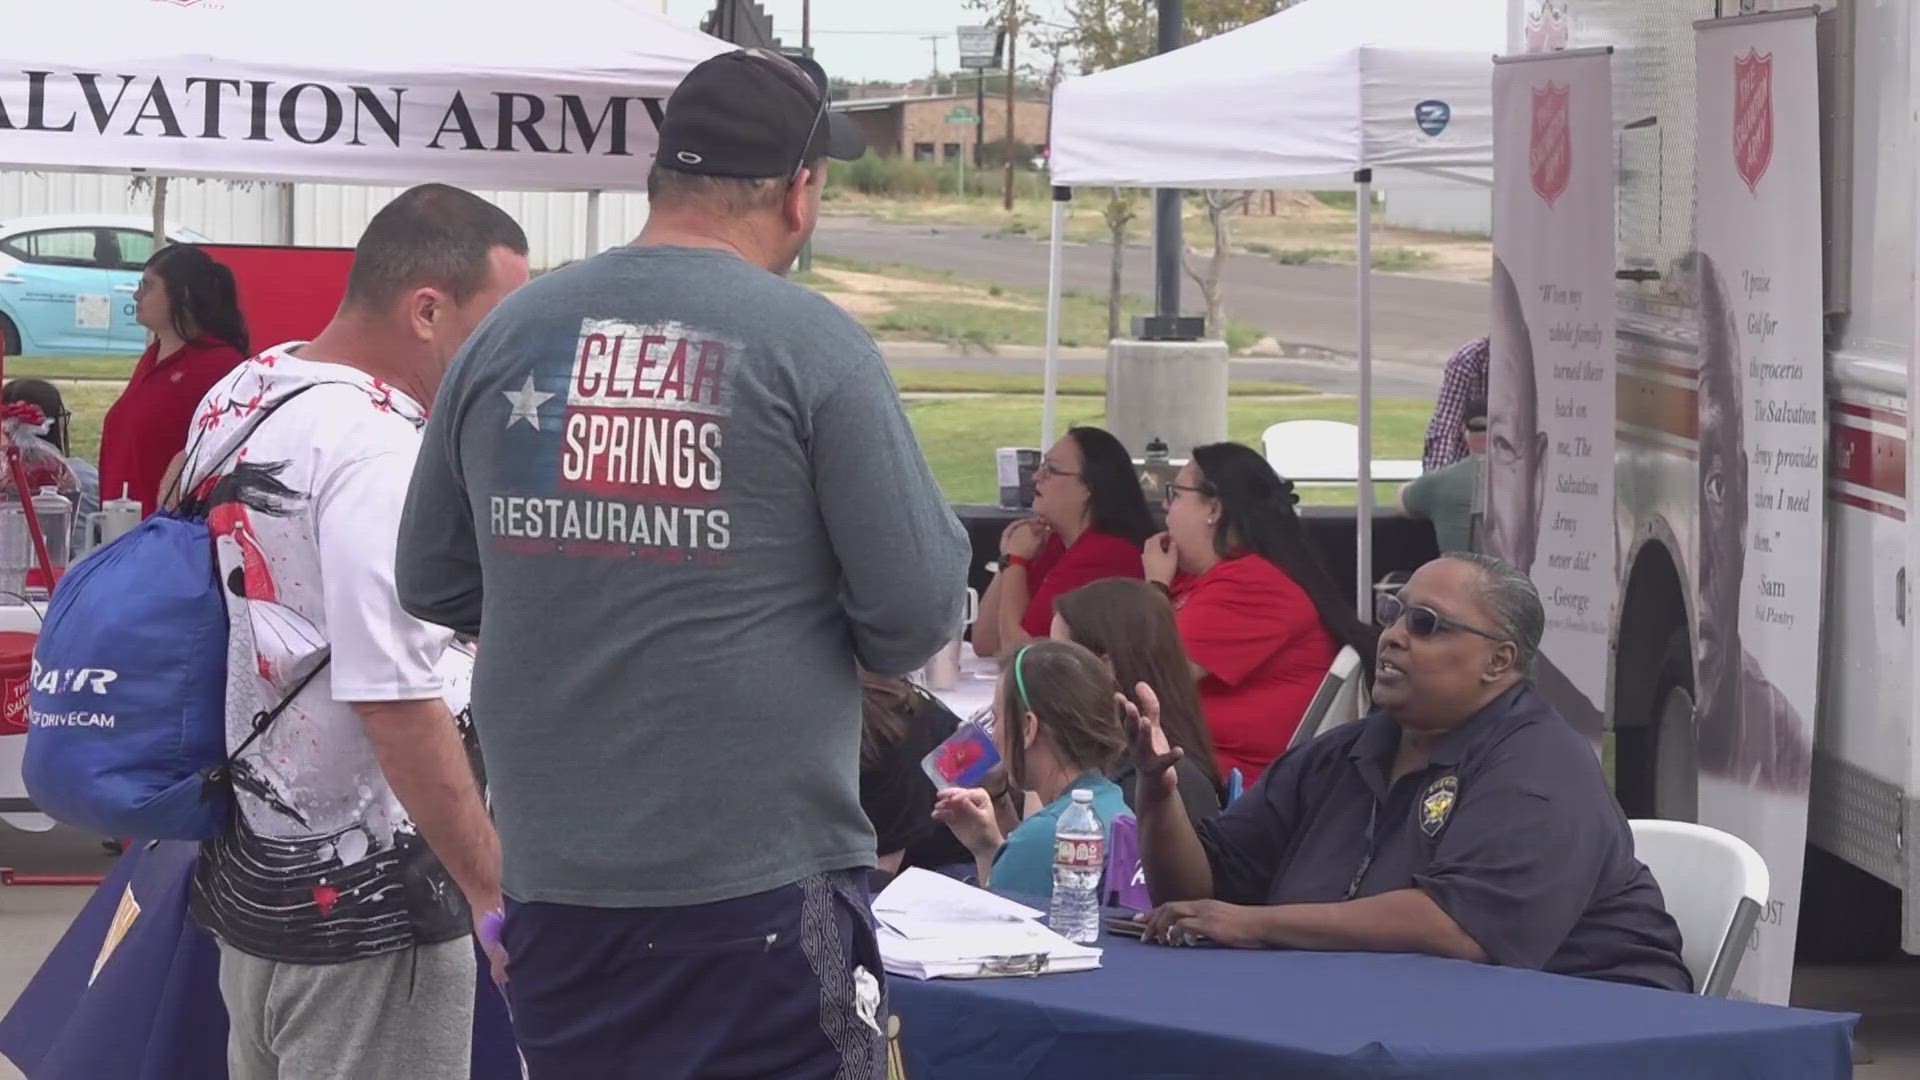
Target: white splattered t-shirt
pixel 322 863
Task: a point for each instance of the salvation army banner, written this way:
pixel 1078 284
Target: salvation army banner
pixel 1550 386
pixel 1761 453
pixel 353 91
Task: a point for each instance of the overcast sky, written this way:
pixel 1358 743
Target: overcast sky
pixel 865 39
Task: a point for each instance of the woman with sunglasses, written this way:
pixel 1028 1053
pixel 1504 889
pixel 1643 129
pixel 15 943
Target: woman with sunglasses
pixel 1259 615
pixel 1089 522
pixel 1462 818
pixel 1057 730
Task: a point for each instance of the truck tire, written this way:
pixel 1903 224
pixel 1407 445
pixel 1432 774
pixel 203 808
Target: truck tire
pixel 9 336
pixel 1676 762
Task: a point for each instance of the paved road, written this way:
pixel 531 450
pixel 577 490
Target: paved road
pixel 1416 320
pixel 1326 376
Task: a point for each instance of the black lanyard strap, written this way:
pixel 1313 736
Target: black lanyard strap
pixel 1366 862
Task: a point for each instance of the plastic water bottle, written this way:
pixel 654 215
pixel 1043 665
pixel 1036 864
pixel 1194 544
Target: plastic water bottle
pixel 1079 863
pixel 1155 470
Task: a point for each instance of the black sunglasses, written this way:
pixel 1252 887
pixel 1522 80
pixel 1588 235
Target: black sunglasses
pixel 801 165
pixel 1422 622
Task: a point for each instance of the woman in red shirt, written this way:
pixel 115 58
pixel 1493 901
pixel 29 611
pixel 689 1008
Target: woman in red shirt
pixel 1259 615
pixel 190 303
pixel 1089 522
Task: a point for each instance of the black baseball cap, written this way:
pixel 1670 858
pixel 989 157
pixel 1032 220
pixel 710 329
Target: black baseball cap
pixel 753 114
pixel 1474 414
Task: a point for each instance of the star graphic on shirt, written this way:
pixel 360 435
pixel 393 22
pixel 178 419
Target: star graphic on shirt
pixel 526 403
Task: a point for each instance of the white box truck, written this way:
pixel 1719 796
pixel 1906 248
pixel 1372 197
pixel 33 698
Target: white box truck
pixel 1863 882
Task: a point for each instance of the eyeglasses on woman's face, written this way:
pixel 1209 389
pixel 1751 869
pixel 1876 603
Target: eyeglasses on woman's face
pixel 1049 469
pixel 1174 488
pixel 1422 621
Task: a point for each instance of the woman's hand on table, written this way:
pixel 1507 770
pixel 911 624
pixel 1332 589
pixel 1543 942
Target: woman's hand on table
pixel 1024 539
pixel 1153 757
pixel 1193 922
pixel 969 812
pixel 1160 559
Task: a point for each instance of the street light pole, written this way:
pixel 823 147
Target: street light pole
pixel 1013 39
pixel 806 46
pixel 1167 243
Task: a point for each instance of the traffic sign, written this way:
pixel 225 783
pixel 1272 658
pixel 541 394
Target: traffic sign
pixel 980 47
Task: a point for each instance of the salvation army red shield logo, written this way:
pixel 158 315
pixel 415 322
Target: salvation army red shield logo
pixel 1550 153
pixel 1752 116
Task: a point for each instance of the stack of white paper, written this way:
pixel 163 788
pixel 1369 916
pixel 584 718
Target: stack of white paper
pixel 932 926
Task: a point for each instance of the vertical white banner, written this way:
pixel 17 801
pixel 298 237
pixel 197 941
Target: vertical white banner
pixel 1762 453
pixel 1550 386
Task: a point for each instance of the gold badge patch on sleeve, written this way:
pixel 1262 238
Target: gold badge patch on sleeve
pixel 1437 804
pixel 123 920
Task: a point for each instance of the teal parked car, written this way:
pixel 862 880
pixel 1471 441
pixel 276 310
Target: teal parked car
pixel 67 281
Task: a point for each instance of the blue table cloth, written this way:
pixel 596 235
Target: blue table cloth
pixel 153 1012
pixel 1155 1012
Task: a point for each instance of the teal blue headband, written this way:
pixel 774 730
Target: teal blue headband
pixel 1020 678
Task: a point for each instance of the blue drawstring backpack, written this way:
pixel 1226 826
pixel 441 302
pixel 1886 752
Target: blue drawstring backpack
pixel 127 729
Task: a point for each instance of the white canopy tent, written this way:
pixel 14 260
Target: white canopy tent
pixel 558 95
pixel 1322 94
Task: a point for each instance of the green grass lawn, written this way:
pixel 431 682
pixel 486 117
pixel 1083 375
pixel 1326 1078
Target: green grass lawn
pixel 1083 315
pixel 959 435
pixel 114 368
pixel 936 381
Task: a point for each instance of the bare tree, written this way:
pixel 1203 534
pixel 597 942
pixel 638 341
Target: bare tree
pixel 1123 206
pixel 1211 273
pixel 1110 33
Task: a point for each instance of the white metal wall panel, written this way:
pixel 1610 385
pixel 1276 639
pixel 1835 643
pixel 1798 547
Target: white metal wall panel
pixel 254 214
pixel 333 215
pixel 322 215
pixel 1439 207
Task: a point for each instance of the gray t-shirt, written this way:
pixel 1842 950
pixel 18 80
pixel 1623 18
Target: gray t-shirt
pixel 1445 497
pixel 681 497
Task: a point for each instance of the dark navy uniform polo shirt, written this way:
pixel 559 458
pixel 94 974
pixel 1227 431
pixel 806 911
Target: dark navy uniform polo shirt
pixel 1510 828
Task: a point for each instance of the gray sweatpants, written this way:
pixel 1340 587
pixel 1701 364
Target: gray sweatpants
pixel 402 1016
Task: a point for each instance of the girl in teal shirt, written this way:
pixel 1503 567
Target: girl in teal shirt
pixel 1057 730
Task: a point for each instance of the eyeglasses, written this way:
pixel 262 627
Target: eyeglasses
pixel 801 165
pixel 1174 489
pixel 1422 622
pixel 1048 468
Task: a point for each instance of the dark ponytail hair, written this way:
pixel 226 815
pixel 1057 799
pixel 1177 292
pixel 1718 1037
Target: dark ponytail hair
pixel 202 294
pixel 1115 504
pixel 1257 518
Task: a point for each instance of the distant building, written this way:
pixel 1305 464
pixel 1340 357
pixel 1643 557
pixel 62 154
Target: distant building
pixel 917 128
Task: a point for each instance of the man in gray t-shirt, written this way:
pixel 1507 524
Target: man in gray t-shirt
pixel 677 498
pixel 1447 496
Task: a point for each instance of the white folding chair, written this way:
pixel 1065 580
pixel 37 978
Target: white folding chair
pixel 1339 700
pixel 1325 452
pixel 1715 887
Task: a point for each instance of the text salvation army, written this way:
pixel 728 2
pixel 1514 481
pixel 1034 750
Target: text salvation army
pixel 211 108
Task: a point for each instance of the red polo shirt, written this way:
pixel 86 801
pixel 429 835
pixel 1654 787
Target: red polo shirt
pixel 1059 569
pixel 1265 651
pixel 149 422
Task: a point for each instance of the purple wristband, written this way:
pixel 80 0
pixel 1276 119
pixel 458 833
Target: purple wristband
pixel 490 924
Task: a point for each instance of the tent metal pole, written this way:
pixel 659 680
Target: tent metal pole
pixel 593 223
pixel 1050 391
pixel 1363 473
